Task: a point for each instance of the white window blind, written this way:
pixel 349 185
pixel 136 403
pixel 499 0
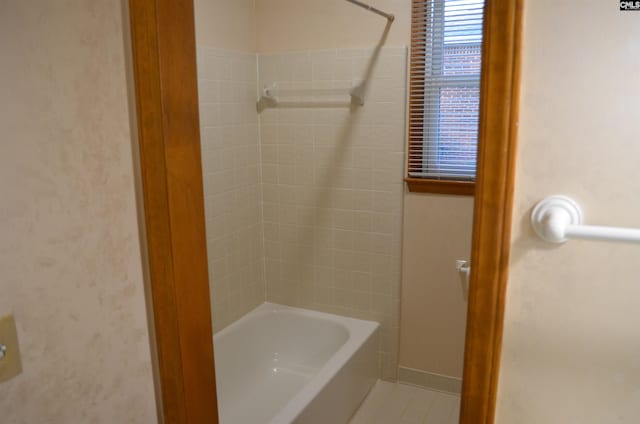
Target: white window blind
pixel 444 94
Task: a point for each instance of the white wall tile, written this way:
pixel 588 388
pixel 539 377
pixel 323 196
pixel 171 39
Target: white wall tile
pixel 232 177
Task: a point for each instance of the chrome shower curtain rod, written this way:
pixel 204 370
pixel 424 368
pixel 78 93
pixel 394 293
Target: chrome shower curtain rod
pixel 389 16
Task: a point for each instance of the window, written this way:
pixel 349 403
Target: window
pixel 444 96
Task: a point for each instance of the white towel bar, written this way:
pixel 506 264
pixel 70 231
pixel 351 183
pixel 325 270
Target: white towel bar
pixel 273 93
pixel 557 219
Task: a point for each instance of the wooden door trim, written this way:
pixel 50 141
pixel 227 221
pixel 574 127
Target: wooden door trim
pixel 493 206
pixel 163 45
pixel 164 66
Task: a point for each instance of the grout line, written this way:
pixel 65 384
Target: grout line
pixel 262 221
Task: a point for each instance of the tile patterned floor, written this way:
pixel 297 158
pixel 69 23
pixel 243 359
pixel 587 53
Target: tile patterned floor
pixel 393 403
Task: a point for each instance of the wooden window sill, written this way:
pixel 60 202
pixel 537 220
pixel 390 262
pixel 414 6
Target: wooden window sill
pixel 460 188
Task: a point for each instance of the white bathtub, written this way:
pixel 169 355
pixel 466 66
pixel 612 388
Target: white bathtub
pixel 280 365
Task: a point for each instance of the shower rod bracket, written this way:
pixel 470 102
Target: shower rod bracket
pixel 390 17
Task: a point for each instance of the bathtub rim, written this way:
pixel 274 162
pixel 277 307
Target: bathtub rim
pixel 359 331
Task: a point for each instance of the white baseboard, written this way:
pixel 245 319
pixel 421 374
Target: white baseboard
pixel 442 383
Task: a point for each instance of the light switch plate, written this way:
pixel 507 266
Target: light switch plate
pixel 10 364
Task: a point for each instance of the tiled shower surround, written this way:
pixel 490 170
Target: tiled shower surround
pixel 332 187
pixel 328 233
pixel 231 171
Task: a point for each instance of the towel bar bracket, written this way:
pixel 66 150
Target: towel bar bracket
pixel 552 215
pixel 557 219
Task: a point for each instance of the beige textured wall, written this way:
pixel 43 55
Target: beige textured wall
pixel 291 25
pixel 226 24
pixel 570 350
pixel 69 251
pixel 434 309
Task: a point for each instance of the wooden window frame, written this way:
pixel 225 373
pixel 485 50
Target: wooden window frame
pixel 425 185
pixel 169 165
